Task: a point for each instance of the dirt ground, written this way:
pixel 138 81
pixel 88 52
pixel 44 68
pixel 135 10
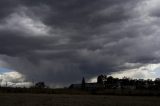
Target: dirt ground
pixel 76 100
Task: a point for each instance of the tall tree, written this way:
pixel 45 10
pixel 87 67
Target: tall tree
pixel 83 83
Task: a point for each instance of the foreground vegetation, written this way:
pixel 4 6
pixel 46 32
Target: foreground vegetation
pixel 76 100
pixel 118 92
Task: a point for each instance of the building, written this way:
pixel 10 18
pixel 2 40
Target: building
pixel 89 86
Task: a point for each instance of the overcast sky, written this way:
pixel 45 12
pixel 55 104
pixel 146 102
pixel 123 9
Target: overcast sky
pixel 60 41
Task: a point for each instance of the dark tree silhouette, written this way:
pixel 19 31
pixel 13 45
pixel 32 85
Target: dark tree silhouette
pixel 157 83
pixel 112 82
pixel 83 83
pixel 101 79
pixel 40 85
pixel 125 82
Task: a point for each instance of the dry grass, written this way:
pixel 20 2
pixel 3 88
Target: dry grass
pixel 76 100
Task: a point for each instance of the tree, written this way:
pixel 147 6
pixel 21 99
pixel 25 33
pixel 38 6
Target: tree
pixel 40 85
pixel 157 83
pixel 101 79
pixel 83 82
pixel 125 81
pixel 110 80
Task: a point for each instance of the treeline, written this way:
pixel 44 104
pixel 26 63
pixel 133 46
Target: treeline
pixel 41 88
pixel 128 83
pixel 106 85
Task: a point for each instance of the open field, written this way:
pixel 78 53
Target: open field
pixel 76 100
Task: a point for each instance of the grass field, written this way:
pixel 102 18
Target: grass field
pixel 76 100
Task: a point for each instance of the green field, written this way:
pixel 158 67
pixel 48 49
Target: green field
pixel 76 100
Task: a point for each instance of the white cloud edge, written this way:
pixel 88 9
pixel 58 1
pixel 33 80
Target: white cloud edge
pixel 13 79
pixel 150 71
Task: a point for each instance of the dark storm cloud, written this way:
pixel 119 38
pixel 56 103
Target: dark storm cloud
pixel 59 41
pixel 6 7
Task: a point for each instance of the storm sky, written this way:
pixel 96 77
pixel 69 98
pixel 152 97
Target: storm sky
pixel 60 41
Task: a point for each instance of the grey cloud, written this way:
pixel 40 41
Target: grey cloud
pixel 7 7
pixel 85 38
